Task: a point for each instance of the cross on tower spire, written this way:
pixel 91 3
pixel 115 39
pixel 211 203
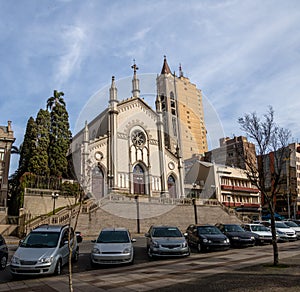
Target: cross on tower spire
pixel 134 67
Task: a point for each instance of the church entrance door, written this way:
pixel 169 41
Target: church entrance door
pixel 172 187
pixel 138 180
pixel 98 183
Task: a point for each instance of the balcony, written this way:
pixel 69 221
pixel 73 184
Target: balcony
pixel 239 189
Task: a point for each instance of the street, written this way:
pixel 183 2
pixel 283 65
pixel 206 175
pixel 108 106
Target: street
pixel 146 275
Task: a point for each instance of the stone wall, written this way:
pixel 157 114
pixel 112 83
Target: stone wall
pixel 91 223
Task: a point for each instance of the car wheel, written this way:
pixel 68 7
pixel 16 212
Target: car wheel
pixel 150 255
pixel 58 268
pixel 3 262
pixel 76 255
pixel 199 247
pixel 93 265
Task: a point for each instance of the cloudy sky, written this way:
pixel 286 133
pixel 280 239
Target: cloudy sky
pixel 244 55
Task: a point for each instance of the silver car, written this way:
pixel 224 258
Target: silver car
pixel 164 241
pixel 44 250
pixel 113 246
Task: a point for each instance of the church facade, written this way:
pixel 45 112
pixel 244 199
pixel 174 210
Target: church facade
pixel 130 148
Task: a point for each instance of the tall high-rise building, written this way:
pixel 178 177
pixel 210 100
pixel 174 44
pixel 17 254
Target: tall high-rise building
pixel 183 113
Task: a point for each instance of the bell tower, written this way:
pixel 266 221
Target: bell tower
pixel 166 88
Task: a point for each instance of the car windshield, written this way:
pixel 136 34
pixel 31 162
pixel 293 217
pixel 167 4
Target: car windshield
pixel 233 228
pixel 208 230
pixel 113 236
pixel 166 232
pixel 41 239
pixel 280 225
pixel 291 224
pixel 259 228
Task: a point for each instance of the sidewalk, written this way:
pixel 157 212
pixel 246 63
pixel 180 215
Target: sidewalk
pixel 262 277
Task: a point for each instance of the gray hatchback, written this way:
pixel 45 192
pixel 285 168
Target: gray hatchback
pixel 44 251
pixel 166 241
pixel 113 246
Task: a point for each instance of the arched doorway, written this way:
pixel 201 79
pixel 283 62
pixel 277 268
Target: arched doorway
pixel 138 180
pixel 97 183
pixel 172 186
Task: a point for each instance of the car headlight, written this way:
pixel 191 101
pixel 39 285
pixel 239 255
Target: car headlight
pixel 126 250
pixel 252 237
pixel 205 240
pixel 45 260
pixel 226 240
pixel 15 260
pixel 155 244
pixel 280 232
pixel 96 250
pixel 184 244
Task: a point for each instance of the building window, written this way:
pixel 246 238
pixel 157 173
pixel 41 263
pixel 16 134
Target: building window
pixel 1 154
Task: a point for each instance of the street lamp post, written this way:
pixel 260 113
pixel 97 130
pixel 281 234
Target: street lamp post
pixel 195 210
pixel 54 197
pixel 137 213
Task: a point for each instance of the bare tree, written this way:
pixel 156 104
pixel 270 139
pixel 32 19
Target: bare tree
pixel 73 255
pixel 271 143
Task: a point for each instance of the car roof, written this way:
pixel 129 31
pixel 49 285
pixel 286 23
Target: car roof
pixel 114 229
pixel 164 226
pixel 202 225
pixel 49 228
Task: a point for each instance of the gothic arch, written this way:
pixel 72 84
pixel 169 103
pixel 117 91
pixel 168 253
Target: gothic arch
pixel 98 182
pixel 172 186
pixel 139 179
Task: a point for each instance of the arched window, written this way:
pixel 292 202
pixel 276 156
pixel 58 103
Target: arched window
pixel 172 186
pixel 138 180
pixel 97 183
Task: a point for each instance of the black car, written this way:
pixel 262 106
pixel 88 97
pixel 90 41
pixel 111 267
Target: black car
pixel 238 236
pixel 3 253
pixel 206 238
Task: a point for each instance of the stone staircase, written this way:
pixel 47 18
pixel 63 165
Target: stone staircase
pixel 123 213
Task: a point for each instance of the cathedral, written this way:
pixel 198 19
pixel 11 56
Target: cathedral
pixel 133 149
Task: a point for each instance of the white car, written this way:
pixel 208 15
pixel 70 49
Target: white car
pixel 284 232
pixel 113 246
pixel 294 226
pixel 263 233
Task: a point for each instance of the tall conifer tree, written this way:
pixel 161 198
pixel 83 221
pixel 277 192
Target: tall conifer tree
pixel 27 147
pixel 38 163
pixel 60 135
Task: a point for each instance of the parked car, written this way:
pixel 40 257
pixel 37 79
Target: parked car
pixel 113 246
pixel 285 233
pixel 3 253
pixel 44 251
pixel 297 221
pixel 294 226
pixel 207 238
pixel 165 241
pixel 263 233
pixel 237 235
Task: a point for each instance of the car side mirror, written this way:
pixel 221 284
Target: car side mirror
pixel 133 240
pixel 185 234
pixel 147 234
pixel 21 241
pixel 94 240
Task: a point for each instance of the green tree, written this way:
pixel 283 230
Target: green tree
pixel 38 162
pixel 60 135
pixel 268 138
pixel 28 146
